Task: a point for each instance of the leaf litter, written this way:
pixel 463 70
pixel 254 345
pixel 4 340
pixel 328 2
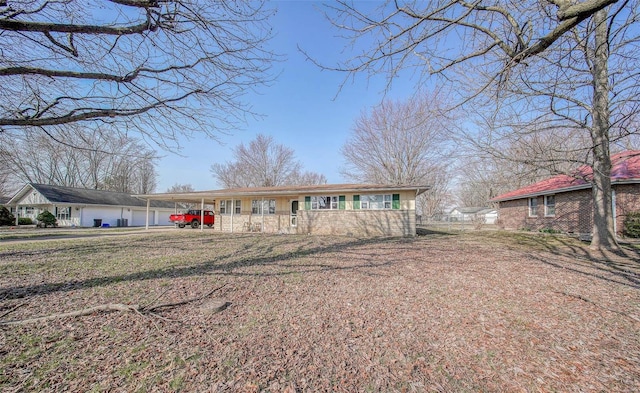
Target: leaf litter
pixel 473 311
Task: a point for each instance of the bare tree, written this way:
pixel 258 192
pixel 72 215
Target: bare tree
pixel 497 162
pixel 307 178
pixel 160 68
pixel 263 163
pixel 183 188
pixel 6 189
pixel 38 158
pixel 403 143
pixel 497 45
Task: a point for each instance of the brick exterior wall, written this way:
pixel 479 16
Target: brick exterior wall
pixel 574 211
pixel 358 222
pixel 246 222
pixel 627 201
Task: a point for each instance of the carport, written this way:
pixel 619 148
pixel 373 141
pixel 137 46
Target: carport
pixel 202 198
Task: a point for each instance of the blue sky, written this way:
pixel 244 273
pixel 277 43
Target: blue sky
pixel 301 109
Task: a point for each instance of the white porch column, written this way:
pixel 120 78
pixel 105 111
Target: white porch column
pixel 233 209
pixel 146 221
pixel 202 215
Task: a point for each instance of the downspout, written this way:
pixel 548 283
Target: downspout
pixel 613 209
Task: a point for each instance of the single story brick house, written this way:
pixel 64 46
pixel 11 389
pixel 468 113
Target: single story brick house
pixel 564 203
pixel 336 209
pixel 79 207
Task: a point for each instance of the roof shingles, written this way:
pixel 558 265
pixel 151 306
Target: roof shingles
pixel 70 195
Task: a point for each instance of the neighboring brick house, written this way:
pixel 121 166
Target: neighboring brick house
pixel 564 203
pixel 359 210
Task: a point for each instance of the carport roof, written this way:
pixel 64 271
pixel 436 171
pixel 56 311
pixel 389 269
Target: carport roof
pixel 210 196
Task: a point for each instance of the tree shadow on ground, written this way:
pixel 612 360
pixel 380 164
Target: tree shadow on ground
pixel 228 264
pixel 621 267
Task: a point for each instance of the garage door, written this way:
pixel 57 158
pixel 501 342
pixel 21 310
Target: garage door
pixel 139 218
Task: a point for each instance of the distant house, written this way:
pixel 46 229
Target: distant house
pixel 564 203
pixel 85 208
pixel 467 214
pixel 330 209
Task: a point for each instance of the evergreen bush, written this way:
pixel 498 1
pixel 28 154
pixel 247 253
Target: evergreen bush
pixel 632 225
pixel 25 221
pixel 6 218
pixel 46 218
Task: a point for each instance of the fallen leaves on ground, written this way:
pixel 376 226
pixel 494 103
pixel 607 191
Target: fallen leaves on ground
pixel 439 312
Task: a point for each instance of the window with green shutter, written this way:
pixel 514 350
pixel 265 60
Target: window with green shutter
pixel 341 202
pixel 356 201
pixel 396 201
pixel 307 203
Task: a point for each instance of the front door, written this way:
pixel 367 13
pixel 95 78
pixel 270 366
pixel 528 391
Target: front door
pixel 293 214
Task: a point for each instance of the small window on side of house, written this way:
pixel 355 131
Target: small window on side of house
pixel 533 207
pixel 549 205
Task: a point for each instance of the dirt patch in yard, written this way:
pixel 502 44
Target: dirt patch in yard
pixel 439 312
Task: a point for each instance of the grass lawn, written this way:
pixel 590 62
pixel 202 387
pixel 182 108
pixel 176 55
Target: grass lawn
pixel 474 311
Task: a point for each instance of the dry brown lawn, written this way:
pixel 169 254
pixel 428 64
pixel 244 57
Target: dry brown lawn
pixel 485 311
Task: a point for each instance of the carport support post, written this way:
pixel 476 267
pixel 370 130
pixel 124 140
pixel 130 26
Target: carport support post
pixel 233 209
pixel 146 221
pixel 202 215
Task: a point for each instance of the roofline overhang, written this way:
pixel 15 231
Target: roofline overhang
pixel 20 194
pixel 264 192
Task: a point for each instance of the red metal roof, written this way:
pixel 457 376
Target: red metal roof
pixel 625 167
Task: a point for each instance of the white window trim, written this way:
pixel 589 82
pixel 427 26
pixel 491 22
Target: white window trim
pixel 530 206
pixel 334 202
pixel 546 206
pixel 261 205
pixel 387 202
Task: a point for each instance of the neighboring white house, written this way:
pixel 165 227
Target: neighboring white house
pixel 465 214
pixel 86 208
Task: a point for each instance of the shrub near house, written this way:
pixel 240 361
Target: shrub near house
pixel 6 218
pixel 46 218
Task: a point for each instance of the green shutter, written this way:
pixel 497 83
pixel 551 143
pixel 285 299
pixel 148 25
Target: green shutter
pixel 341 202
pixel 356 201
pixel 307 203
pixel 396 201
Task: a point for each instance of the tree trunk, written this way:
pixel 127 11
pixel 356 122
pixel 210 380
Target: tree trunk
pixel 604 236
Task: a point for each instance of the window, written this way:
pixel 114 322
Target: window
pixel 267 205
pixel 549 205
pixel 324 202
pixel 63 213
pixel 29 210
pixel 227 207
pixel 533 207
pixel 376 202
